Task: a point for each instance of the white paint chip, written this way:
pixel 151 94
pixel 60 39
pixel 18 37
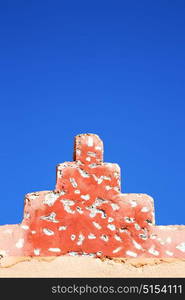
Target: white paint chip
pixel 112 227
pixel 77 191
pixel 48 231
pixel 3 253
pixel 61 228
pixel 136 245
pixel 137 227
pixel 26 215
pixel 19 243
pixel 33 196
pixel 73 237
pixel 50 218
pixel 73 182
pixel 50 198
pixel 117 250
pixel 25 227
pixel 98 226
pixel 54 250
pixel 169 240
pixel 115 206
pixel 108 187
pixel 104 237
pixel 36 251
pixel 129 220
pixel 8 231
pixel 133 203
pixel 85 197
pixel 145 209
pixel 117 238
pixel 83 173
pixel 131 253
pixel 90 141
pixel 169 253
pixel 153 251
pixel 110 219
pixel 181 247
pixel 81 238
pixel 91 236
pixel 67 205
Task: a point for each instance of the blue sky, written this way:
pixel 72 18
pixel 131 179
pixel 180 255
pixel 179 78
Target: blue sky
pixel 114 68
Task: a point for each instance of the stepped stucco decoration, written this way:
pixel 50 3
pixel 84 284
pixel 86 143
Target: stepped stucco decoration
pixel 87 214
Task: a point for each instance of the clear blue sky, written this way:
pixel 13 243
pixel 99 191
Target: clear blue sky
pixel 114 68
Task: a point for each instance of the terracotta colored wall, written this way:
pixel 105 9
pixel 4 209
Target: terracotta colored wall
pixel 87 214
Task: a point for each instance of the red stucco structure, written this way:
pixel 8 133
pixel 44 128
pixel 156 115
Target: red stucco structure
pixel 87 214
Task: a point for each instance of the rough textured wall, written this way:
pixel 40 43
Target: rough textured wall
pixel 87 214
